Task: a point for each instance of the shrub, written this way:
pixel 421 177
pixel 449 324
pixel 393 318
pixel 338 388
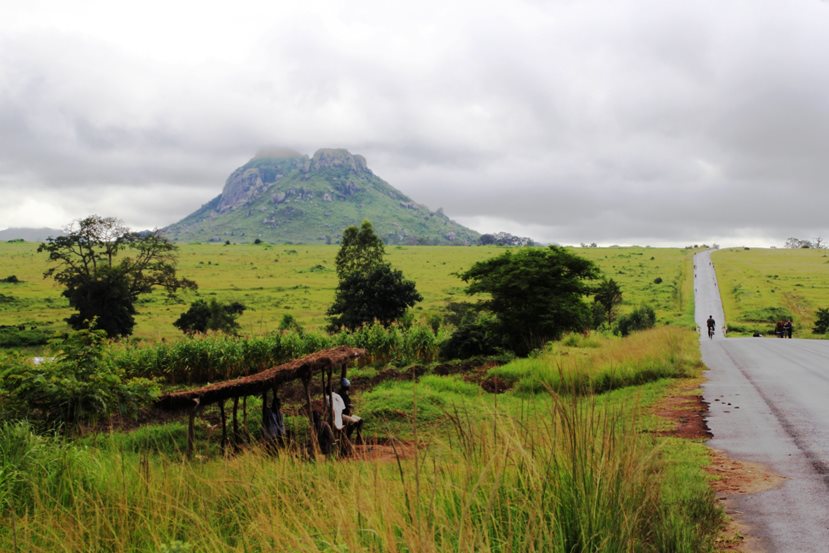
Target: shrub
pixel 638 319
pixel 822 321
pixel 479 336
pixel 79 386
pixel 203 316
pixel 23 336
pixel 11 279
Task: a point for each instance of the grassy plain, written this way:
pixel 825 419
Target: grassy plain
pixel 525 470
pixel 274 280
pixel 753 283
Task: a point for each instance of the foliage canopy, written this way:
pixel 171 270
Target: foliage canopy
pixel 213 315
pixel 104 268
pixel 536 294
pixel 369 288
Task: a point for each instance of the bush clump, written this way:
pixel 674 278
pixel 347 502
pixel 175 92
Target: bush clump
pixel 78 386
pixel 821 321
pixel 639 319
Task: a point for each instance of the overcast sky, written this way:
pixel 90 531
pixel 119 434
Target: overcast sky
pixel 619 122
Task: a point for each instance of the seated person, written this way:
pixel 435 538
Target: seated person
pixel 343 419
pixel 353 422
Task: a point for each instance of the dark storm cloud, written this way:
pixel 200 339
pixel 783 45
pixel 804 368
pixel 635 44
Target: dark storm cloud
pixel 634 121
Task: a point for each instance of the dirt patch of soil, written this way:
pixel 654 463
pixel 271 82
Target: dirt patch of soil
pixel 686 409
pixel 383 452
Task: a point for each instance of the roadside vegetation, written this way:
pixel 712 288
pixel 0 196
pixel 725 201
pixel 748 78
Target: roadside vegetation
pixel 509 410
pixel 762 286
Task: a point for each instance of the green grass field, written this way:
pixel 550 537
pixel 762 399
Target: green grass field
pixel 519 471
pixel 756 283
pixel 276 280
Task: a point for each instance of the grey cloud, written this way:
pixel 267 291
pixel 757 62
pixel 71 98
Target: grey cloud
pixel 631 121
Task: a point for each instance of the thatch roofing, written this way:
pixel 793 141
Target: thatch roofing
pixel 260 382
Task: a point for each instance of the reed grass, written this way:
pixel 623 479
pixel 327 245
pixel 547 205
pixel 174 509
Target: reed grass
pixel 574 476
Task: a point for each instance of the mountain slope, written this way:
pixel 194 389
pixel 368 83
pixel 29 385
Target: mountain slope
pixel 287 197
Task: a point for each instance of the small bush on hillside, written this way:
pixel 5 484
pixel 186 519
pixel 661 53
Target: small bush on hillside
pixel 11 279
pixel 290 324
pixel 638 319
pixel 822 321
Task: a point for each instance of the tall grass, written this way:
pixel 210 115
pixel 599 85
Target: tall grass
pixel 601 363
pixel 575 478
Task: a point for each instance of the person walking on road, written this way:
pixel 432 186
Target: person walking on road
pixel 788 328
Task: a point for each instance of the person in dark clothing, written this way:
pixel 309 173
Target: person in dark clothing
pixel 788 327
pixel 711 325
pixel 274 423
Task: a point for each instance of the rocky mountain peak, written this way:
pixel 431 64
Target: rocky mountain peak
pixel 338 158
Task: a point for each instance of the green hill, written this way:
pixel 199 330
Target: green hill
pixel 287 197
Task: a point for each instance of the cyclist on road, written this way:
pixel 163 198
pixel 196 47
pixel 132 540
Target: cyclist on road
pixel 711 325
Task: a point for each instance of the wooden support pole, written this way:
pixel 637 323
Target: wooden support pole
pixel 191 428
pixel 306 384
pixel 235 422
pixel 224 425
pixel 245 431
pixel 264 413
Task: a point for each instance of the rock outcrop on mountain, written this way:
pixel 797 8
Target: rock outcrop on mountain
pixel 282 196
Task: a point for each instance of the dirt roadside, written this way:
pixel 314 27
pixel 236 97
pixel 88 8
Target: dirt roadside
pixel 686 409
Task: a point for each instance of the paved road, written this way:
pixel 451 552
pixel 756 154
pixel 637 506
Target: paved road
pixel 769 401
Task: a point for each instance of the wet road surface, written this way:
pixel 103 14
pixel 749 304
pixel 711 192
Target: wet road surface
pixel 769 403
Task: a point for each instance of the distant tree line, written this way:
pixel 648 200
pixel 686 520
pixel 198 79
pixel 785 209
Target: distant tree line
pixel 797 243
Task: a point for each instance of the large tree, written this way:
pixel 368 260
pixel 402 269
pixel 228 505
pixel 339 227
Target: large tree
pixel 369 288
pixel 536 294
pixel 104 268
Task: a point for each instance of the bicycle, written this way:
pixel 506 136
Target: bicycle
pixel 710 332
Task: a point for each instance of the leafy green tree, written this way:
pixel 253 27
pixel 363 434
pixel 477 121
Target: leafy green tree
pixel 609 296
pixel 822 321
pixel 360 250
pixel 369 288
pixel 382 294
pixel 536 294
pixel 213 315
pixel 104 268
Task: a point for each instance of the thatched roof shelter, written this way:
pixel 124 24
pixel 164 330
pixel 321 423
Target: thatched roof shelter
pixel 255 384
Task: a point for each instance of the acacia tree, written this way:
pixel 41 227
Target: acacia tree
pixel 536 294
pixel 369 288
pixel 104 268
